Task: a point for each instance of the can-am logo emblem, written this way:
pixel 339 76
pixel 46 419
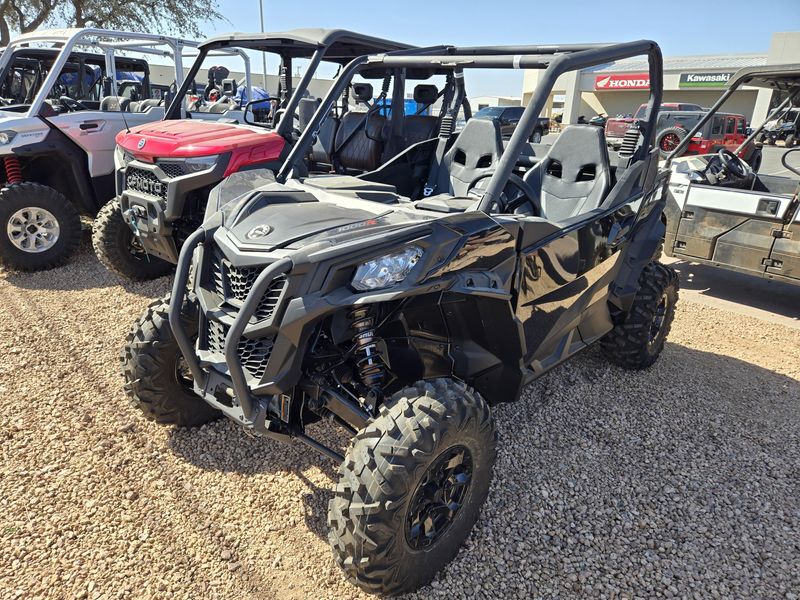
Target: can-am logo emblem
pixel 141 143
pixel 259 231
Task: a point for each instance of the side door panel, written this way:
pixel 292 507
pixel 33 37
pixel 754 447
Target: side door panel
pixel 729 226
pixel 563 286
pixel 95 131
pixel 785 257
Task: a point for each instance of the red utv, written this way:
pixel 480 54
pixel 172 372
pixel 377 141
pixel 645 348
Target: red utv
pixel 166 169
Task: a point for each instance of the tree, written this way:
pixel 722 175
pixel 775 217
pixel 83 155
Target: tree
pixel 158 16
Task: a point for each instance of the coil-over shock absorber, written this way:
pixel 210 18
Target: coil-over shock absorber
pixel 13 169
pixel 368 356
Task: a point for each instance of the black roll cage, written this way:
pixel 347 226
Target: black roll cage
pixel 555 60
pixel 293 45
pixel 779 77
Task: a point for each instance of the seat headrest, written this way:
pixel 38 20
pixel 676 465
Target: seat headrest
pixel 218 73
pixel 229 87
pixel 115 103
pixel 362 92
pixel 479 138
pixel 475 152
pixel 579 146
pixel 145 104
pixel 426 93
pixel 305 111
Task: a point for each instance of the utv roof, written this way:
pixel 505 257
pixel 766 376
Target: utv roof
pixel 21 54
pixel 340 45
pixel 779 77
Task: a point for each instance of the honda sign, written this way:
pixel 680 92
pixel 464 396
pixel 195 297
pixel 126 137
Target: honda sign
pixel 634 81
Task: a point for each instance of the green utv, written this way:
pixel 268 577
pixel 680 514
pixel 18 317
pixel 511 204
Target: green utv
pixel 404 303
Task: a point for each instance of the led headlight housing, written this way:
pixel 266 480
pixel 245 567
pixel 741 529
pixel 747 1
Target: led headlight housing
pixel 6 136
pixel 122 157
pixel 385 271
pixel 193 165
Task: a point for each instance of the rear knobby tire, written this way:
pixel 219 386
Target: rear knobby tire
pixel 150 365
pixel 790 141
pixel 638 338
pixel 113 243
pixel 380 476
pixel 27 195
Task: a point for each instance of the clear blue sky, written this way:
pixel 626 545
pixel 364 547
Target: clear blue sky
pixel 681 27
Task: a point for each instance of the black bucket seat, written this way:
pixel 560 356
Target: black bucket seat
pixel 574 177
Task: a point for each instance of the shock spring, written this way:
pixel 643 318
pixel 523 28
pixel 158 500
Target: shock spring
pixel 13 169
pixel 368 356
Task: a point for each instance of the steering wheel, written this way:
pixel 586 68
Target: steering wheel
pixel 733 164
pixel 72 104
pixel 794 170
pixel 514 195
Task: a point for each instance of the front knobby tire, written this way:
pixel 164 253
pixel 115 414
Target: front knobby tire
pixel 156 380
pixel 39 228
pixel 116 247
pixel 639 335
pixel 431 446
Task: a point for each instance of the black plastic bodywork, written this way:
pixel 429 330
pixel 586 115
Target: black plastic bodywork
pixel 494 299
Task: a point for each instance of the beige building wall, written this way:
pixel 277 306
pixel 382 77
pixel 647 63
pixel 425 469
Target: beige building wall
pixel 582 100
pixel 783 49
pixel 165 75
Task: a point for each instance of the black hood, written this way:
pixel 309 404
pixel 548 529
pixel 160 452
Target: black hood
pixel 271 221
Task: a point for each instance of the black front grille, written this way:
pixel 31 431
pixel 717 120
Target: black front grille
pixel 172 169
pixel 146 182
pixel 253 354
pixel 269 302
pixel 235 283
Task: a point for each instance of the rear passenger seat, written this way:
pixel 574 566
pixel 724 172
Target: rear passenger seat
pixel 359 146
pixel 360 136
pixel 419 128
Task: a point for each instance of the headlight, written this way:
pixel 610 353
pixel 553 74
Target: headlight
pixel 192 165
pixel 122 157
pixel 7 136
pixel 387 270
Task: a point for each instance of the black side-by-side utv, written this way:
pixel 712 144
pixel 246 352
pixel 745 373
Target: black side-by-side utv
pixel 403 303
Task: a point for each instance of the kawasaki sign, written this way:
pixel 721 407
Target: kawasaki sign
pixel 704 80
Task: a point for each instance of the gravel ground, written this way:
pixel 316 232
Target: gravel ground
pixel 683 481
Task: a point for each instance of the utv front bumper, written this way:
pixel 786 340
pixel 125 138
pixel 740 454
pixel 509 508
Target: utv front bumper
pixel 219 361
pixel 153 198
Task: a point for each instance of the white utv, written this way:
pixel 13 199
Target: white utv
pixel 64 96
pixel 721 212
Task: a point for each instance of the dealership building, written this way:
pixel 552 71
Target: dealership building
pixel 620 88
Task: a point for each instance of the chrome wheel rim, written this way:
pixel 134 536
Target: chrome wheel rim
pixel 33 229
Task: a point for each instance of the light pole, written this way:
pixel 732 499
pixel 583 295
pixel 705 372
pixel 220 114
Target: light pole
pixel 263 54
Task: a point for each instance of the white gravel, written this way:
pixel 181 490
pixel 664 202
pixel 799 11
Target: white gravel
pixel 683 481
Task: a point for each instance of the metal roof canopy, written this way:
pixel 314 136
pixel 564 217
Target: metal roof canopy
pixel 727 62
pixel 316 45
pixel 554 59
pixel 107 40
pixel 21 55
pixel 340 45
pixel 776 77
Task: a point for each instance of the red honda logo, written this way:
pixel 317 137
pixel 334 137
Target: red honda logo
pixel 635 81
